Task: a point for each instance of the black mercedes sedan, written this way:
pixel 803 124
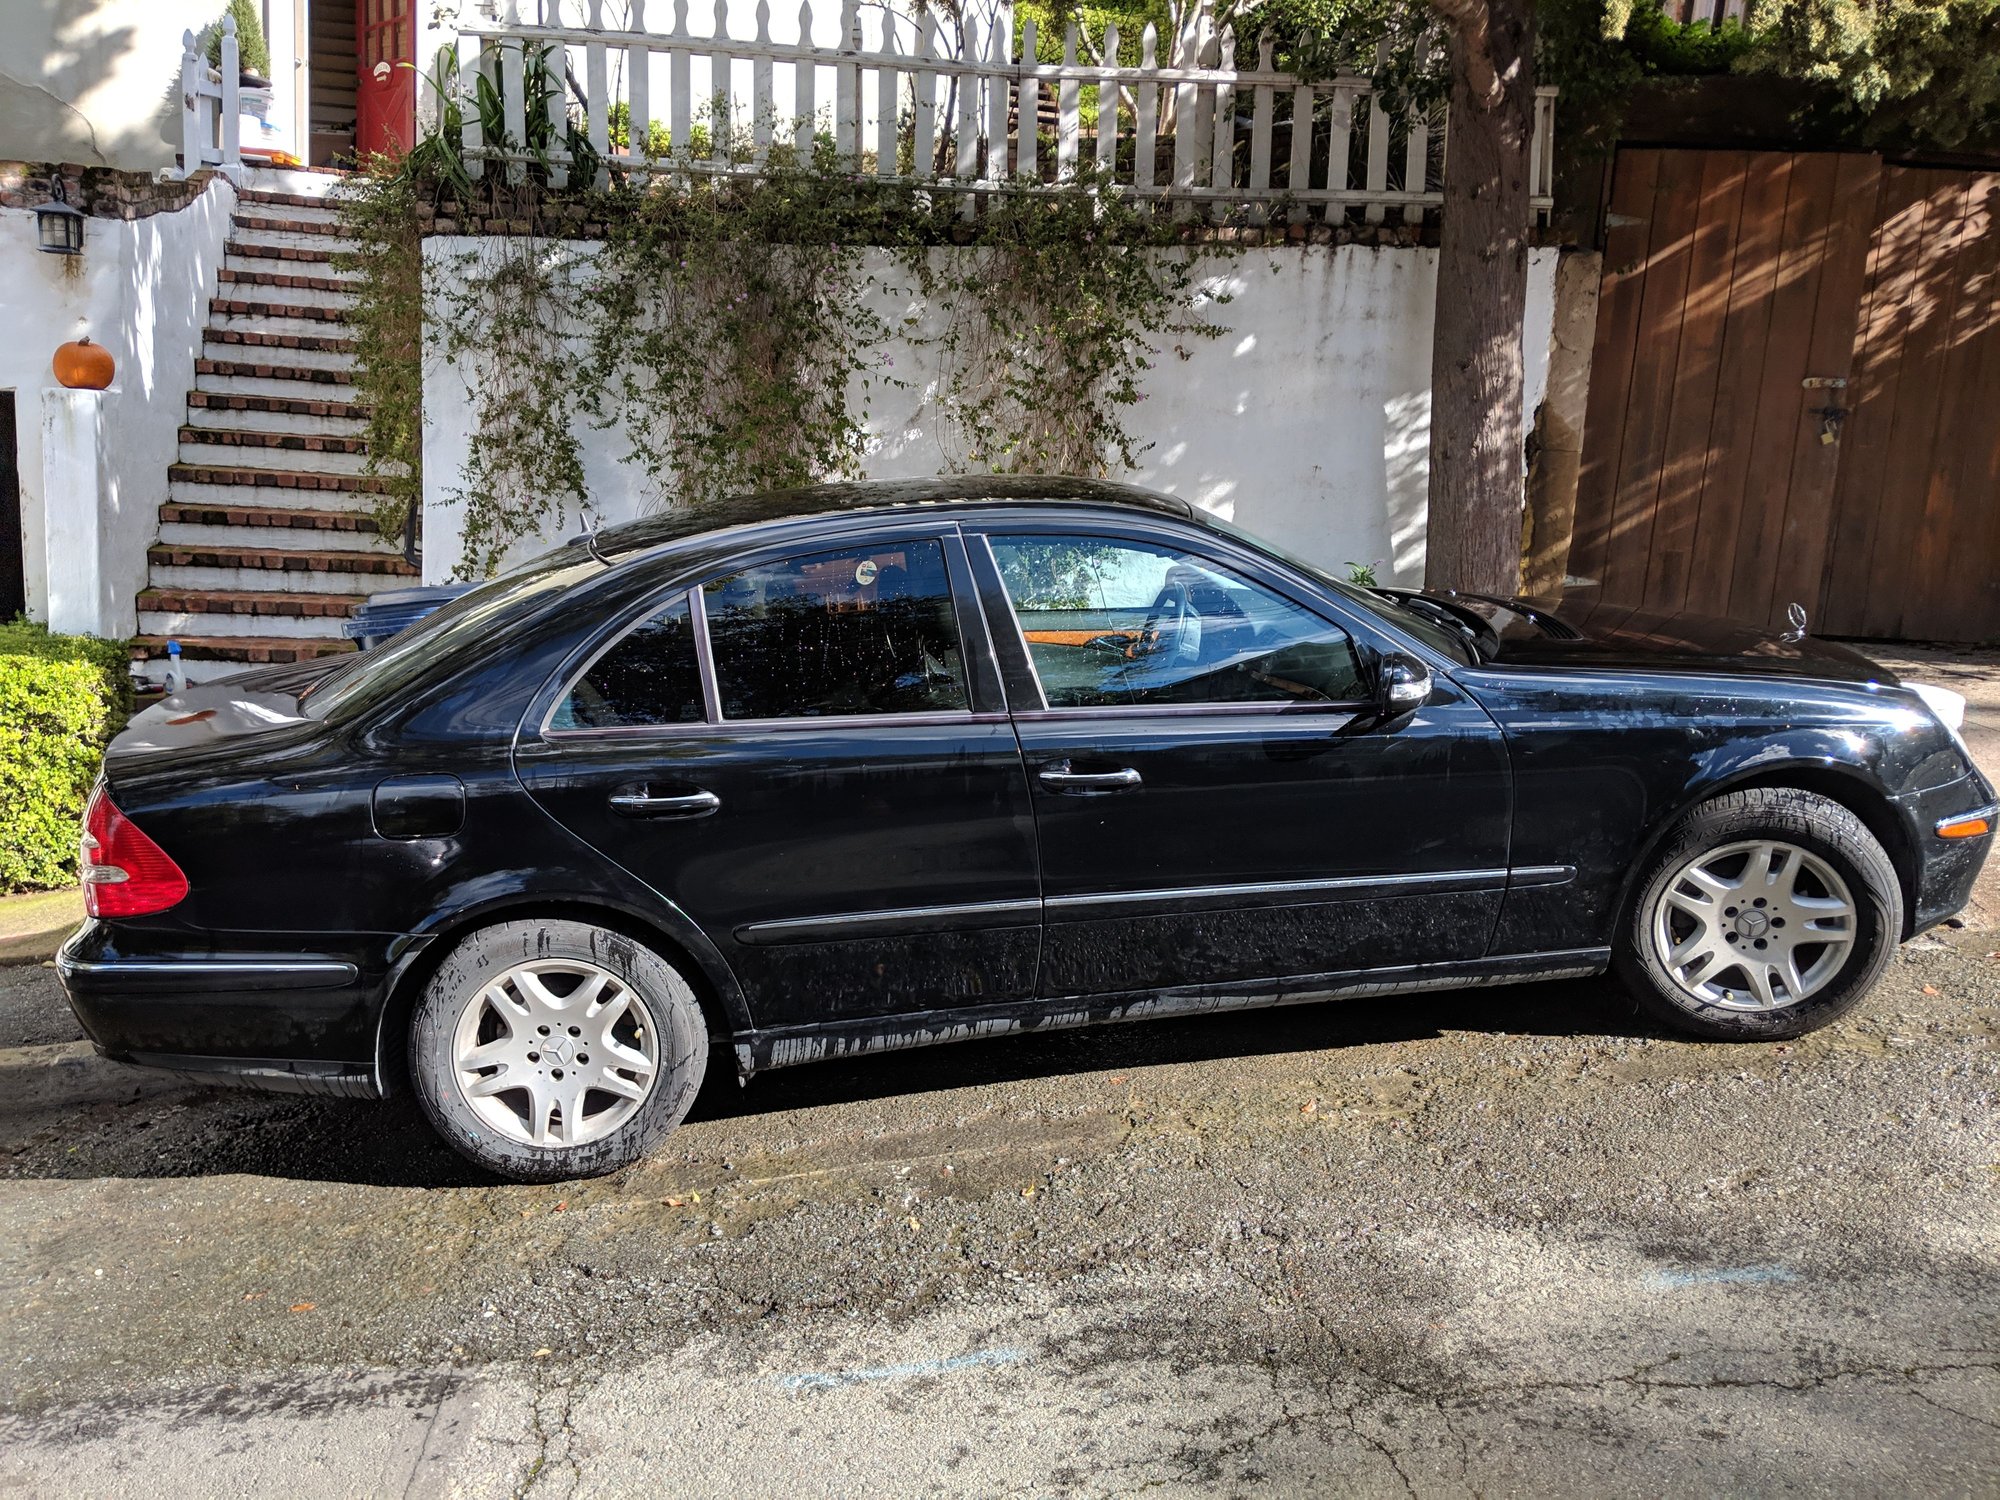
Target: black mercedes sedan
pixel 870 766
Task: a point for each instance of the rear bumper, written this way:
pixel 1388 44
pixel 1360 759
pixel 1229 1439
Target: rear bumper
pixel 297 1020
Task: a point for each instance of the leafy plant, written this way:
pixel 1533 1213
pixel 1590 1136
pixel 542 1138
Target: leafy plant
pixel 727 325
pixel 1362 574
pixel 253 53
pixel 61 700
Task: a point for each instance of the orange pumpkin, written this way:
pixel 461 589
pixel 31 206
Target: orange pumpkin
pixel 84 366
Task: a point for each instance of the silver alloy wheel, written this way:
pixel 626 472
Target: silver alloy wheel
pixel 1759 925
pixel 556 1052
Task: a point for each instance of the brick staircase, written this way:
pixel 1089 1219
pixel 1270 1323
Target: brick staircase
pixel 267 539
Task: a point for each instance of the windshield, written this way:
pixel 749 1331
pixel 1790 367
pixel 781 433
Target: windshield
pixel 1413 622
pixel 465 621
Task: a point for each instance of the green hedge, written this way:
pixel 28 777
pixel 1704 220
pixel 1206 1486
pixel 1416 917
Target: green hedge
pixel 62 697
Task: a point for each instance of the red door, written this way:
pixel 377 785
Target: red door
pixel 385 95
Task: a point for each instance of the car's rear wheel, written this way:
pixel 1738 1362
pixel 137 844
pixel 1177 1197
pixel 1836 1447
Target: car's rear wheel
pixel 1765 914
pixel 551 1049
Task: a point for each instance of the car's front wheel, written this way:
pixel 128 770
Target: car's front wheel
pixel 1765 914
pixel 552 1049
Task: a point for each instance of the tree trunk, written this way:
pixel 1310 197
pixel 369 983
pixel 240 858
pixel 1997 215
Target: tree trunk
pixel 1482 289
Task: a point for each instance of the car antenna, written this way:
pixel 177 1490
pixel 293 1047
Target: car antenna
pixel 590 541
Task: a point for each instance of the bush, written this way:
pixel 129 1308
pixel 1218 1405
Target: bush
pixel 253 53
pixel 61 699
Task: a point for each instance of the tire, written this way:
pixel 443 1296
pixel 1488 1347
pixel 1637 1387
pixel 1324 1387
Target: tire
pixel 605 1036
pixel 1820 858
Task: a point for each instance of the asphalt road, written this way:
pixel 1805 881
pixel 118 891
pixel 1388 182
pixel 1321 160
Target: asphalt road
pixel 1501 1243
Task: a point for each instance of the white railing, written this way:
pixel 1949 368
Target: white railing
pixel 211 110
pixel 1212 134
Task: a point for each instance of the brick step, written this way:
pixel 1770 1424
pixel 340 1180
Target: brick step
pixel 252 650
pixel 273 307
pixel 300 518
pixel 293 203
pixel 282 479
pixel 297 355
pixel 290 442
pixel 279 220
pixel 258 370
pixel 287 280
pixel 310 255
pixel 278 559
pixel 288 405
pixel 305 343
pixel 278 604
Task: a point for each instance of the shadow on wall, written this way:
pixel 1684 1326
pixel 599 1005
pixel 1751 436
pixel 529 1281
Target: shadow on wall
pixel 92 82
pixel 1308 420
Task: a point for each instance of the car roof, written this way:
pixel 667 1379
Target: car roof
pixel 874 494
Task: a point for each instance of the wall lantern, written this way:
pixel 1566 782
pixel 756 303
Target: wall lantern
pixel 61 226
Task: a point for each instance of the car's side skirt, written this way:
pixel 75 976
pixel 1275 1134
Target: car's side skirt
pixel 784 1046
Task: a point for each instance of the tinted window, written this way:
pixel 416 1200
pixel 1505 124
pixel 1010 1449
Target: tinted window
pixel 865 631
pixel 1113 622
pixel 648 677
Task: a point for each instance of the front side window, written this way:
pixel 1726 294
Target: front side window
pixel 1112 623
pixel 648 676
pixel 868 630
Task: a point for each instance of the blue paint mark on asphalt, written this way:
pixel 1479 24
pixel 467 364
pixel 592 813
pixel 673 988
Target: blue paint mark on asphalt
pixel 824 1380
pixel 1724 1276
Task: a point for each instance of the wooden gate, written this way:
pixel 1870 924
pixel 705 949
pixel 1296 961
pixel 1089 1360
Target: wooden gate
pixel 1793 389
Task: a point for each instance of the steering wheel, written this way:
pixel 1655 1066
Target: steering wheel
pixel 1178 640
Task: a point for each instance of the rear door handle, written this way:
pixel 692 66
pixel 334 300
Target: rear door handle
pixel 1061 778
pixel 637 802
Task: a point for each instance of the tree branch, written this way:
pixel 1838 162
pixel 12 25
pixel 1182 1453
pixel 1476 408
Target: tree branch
pixel 1468 20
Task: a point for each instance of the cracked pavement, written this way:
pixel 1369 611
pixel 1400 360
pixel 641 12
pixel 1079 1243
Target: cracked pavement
pixel 1499 1242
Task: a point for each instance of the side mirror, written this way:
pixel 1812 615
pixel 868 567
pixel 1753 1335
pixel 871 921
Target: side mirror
pixel 1402 685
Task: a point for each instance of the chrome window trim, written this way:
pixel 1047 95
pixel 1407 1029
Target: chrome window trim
pixel 928 717
pixel 1020 635
pixel 653 607
pixel 710 687
pixel 1276 707
pixel 704 657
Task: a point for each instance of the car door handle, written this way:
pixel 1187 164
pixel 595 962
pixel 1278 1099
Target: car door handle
pixel 1062 778
pixel 637 802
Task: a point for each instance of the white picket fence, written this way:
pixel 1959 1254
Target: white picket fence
pixel 1215 139
pixel 211 106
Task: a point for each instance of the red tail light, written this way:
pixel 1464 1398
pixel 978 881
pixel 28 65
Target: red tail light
pixel 125 874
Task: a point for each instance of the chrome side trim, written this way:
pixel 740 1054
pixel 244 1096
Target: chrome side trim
pixel 152 975
pixel 1374 885
pixel 204 966
pixel 905 918
pixel 1526 875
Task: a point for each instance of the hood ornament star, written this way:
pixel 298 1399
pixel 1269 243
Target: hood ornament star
pixel 1795 612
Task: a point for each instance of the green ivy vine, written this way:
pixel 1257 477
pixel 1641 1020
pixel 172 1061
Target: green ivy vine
pixel 733 329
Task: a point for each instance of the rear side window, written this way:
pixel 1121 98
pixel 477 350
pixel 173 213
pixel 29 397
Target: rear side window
pixel 1113 623
pixel 648 677
pixel 869 630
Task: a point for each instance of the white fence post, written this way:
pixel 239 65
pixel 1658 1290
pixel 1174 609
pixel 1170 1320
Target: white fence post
pixel 990 137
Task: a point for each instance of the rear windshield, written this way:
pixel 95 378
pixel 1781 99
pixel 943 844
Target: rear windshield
pixel 465 622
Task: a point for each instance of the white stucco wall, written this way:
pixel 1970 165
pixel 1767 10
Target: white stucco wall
pixel 142 290
pixel 95 83
pixel 1307 422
